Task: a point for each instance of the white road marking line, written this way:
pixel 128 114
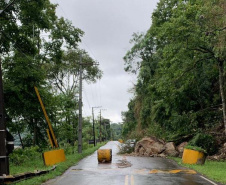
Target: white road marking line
pixel 209 180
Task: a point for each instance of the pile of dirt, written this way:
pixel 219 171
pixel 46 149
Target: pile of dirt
pixel 221 154
pixel 151 146
pixel 219 134
pixel 154 147
pixel 180 148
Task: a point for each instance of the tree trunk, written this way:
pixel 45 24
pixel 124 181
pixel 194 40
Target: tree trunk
pixel 222 90
pixel 35 133
pixel 21 141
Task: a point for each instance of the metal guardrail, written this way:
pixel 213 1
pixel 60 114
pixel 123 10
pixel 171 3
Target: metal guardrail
pixel 92 141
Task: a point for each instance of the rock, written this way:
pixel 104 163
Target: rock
pixel 149 146
pixel 162 155
pixel 153 155
pixel 180 148
pixel 221 154
pixel 217 157
pixel 141 151
pixel 171 150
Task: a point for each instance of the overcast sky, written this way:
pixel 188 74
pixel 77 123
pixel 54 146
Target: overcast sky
pixel 108 27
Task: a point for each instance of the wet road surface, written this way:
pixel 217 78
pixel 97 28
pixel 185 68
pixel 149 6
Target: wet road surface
pixel 128 170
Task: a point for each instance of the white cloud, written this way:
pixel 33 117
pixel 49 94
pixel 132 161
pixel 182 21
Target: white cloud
pixel 108 27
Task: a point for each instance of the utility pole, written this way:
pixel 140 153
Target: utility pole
pixel 94 138
pixel 81 64
pixel 80 107
pixel 100 125
pixel 105 131
pixel 4 160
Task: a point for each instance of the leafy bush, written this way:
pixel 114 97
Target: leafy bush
pixel 20 155
pixel 205 141
pixel 196 148
pixel 126 149
pixel 69 149
pixel 85 145
pixel 28 140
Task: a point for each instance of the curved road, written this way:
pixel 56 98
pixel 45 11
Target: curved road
pixel 128 170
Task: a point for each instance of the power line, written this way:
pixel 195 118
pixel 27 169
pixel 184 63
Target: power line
pixel 94 93
pixel 97 92
pixel 7 6
pixel 91 52
pixel 17 47
pixel 86 98
pixel 100 92
pixel 62 9
pixel 85 113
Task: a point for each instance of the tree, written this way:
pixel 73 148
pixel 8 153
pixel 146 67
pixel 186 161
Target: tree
pixel 106 132
pixel 21 70
pixel 215 27
pixel 178 60
pixel 30 60
pixel 117 131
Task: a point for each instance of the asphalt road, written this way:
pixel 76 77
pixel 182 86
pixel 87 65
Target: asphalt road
pixel 128 170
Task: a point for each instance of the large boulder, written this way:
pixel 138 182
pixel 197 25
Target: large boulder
pixel 149 146
pixel 171 150
pixel 180 148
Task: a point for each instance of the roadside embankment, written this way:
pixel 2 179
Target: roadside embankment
pixel 31 165
pixel 214 170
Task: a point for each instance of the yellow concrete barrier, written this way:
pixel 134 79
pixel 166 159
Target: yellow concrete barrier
pixel 193 157
pixel 53 157
pixel 104 155
pixel 120 141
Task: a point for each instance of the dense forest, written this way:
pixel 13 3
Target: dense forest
pixel 40 49
pixel 180 66
pixel 116 130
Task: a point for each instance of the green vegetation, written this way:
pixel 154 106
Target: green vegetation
pixel 180 61
pixel 196 148
pixel 116 130
pixel 51 63
pixel 26 160
pixel 203 143
pixel 35 162
pixel 212 169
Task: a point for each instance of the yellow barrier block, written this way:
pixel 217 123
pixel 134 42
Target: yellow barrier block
pixel 193 157
pixel 120 141
pixel 53 157
pixel 104 155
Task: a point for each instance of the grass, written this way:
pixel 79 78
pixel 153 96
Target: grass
pixel 212 169
pixel 30 166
